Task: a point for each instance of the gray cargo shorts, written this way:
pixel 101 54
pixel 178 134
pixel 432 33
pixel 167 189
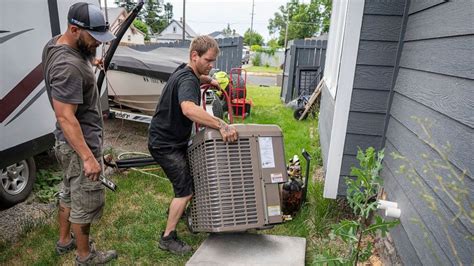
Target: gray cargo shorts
pixel 85 197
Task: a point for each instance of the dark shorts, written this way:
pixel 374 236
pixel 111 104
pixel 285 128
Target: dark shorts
pixel 174 163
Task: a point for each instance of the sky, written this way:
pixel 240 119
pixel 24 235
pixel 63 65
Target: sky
pixel 206 16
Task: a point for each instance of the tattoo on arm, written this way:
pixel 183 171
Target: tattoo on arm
pixel 62 209
pixel 222 124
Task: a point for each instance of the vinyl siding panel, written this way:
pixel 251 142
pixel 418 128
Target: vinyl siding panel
pixel 420 219
pixel 379 41
pixel 442 129
pixel 447 56
pixel 449 19
pixel 369 101
pixel 354 141
pixel 377 53
pixel 419 5
pixel 438 93
pixel 373 77
pixel 432 109
pixel 425 246
pixel 366 123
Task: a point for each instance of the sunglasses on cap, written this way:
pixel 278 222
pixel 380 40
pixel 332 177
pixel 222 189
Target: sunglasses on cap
pixel 83 26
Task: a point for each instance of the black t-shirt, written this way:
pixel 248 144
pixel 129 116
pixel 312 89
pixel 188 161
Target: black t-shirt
pixel 169 127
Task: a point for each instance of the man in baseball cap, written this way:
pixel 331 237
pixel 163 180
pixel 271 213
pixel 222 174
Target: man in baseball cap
pixel 72 91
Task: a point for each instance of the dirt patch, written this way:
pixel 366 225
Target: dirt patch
pixel 125 136
pixel 318 175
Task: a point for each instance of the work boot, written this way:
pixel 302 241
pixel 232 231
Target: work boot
pixel 61 250
pixel 97 258
pixel 173 244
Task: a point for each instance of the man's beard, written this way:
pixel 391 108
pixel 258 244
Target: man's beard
pixel 86 51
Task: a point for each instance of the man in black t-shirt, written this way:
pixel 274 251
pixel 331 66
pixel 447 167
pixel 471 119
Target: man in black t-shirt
pixel 171 128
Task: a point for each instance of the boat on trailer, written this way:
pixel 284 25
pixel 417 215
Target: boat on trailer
pixel 135 79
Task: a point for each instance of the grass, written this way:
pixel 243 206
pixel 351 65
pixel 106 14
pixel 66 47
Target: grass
pixel 263 69
pixel 136 214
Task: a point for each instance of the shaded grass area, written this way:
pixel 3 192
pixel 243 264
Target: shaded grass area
pixel 135 215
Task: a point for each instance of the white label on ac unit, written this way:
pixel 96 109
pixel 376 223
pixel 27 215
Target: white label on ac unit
pixel 266 152
pixel 274 210
pixel 277 178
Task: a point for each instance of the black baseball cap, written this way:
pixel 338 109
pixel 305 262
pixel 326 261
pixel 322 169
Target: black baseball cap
pixel 90 18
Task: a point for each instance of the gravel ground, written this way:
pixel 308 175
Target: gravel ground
pixel 119 136
pixel 15 220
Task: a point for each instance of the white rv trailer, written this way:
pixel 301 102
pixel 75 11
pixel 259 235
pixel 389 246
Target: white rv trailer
pixel 26 118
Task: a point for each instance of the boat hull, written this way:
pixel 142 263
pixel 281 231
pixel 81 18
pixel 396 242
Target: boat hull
pixel 134 91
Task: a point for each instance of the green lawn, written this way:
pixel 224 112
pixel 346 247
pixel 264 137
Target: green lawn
pixel 135 215
pixel 263 69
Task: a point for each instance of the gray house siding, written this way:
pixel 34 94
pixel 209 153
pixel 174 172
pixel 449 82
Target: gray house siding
pixel 435 83
pixel 379 42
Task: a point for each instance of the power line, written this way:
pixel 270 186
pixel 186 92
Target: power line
pixel 241 23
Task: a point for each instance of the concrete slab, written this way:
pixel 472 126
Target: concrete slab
pixel 250 249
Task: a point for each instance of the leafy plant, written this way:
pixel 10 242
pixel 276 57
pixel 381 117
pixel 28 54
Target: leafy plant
pixel 255 48
pixel 46 186
pixel 257 59
pixel 361 195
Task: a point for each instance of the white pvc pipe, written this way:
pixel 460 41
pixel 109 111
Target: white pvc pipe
pixel 384 204
pixel 393 212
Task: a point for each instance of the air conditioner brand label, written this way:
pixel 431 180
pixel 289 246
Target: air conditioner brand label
pixel 266 152
pixel 274 210
pixel 277 178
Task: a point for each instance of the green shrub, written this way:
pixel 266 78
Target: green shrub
pixel 362 198
pixel 46 186
pixel 257 59
pixel 255 48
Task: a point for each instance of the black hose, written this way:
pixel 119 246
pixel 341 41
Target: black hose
pixel 308 161
pixel 135 162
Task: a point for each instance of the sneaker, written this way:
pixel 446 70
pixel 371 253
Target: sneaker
pixel 97 258
pixel 61 250
pixel 173 244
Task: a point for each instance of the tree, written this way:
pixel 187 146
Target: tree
pixel 168 12
pixel 152 17
pixel 273 43
pixel 151 13
pixel 252 38
pixel 140 25
pixel 227 31
pixel 127 4
pixel 304 20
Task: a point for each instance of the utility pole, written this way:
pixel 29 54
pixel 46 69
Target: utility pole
pixel 251 23
pixel 184 20
pixel 286 33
